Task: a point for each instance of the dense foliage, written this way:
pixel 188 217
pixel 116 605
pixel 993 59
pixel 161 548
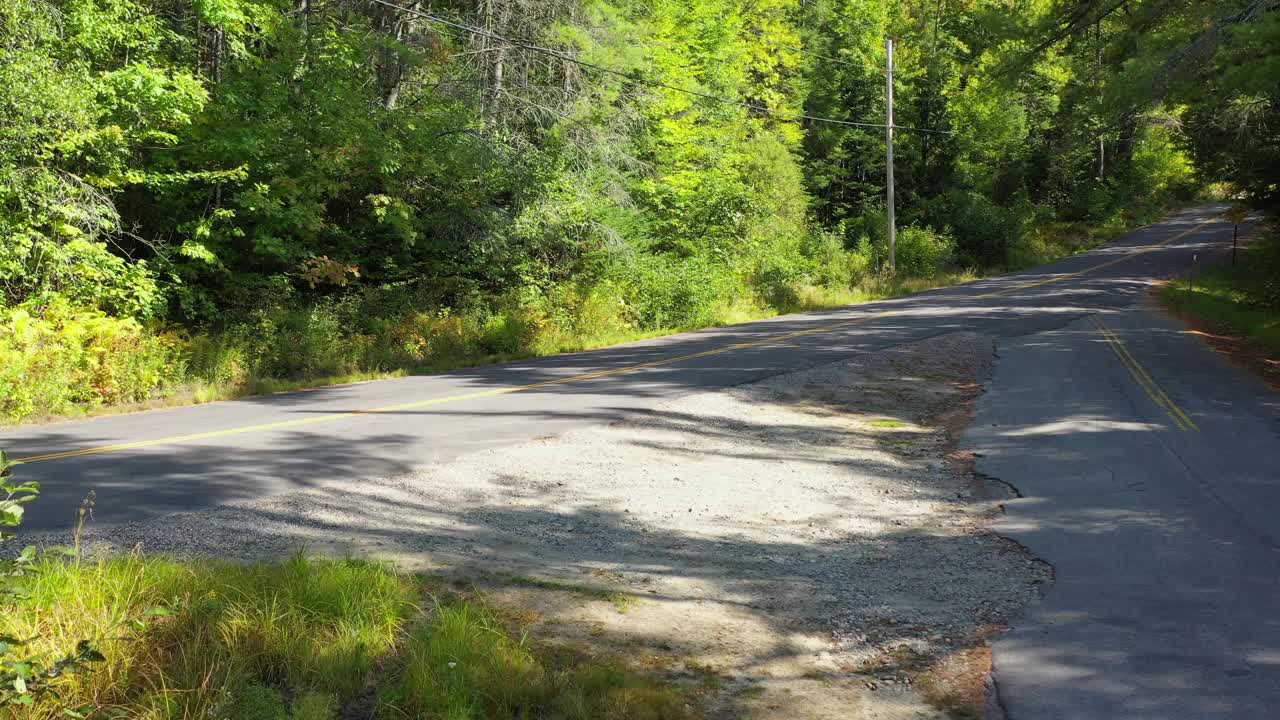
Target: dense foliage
pixel 223 190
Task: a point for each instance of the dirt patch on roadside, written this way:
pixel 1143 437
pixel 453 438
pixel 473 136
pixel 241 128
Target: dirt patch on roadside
pixel 808 546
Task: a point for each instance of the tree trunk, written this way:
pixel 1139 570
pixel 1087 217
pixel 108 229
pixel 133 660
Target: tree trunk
pixel 402 26
pixel 495 22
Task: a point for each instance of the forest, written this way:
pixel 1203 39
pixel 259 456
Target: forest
pixel 202 198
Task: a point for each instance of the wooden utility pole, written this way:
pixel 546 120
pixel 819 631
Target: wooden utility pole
pixel 888 128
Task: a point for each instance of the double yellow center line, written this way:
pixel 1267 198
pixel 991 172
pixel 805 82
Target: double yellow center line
pixel 332 417
pixel 1099 266
pixel 1180 418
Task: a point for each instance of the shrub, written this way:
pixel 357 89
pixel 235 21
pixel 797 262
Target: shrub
pixel 830 264
pixel 921 252
pixel 861 260
pixel 984 231
pixel 219 362
pixel 308 341
pixel 664 291
pixel 67 357
pixel 316 341
pixel 776 283
pixel 567 316
pixel 599 311
pixel 1099 202
pixel 507 331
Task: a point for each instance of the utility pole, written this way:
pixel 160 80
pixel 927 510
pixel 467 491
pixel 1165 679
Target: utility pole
pixel 888 128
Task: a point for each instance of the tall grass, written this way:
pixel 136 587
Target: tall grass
pixel 465 665
pixel 234 639
pixel 289 348
pixel 299 640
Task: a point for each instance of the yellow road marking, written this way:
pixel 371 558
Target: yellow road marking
pixel 448 398
pixel 562 381
pixel 1099 266
pixel 1153 390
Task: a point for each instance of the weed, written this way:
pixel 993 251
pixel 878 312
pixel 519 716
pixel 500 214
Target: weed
pixel 708 677
pixel 295 640
pixel 955 684
pixel 464 665
pixel 315 706
pixel 231 634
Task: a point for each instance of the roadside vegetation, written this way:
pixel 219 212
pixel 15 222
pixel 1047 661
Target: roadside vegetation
pixel 1241 299
pixel 199 200
pixel 301 639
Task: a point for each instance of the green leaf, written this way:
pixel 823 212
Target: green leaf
pixel 10 513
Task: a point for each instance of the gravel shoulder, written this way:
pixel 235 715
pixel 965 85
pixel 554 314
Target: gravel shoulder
pixel 807 546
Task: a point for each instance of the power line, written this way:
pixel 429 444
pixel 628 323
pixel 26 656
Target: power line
pixel 636 77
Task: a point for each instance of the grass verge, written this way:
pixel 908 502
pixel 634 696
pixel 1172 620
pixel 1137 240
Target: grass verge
pixel 464 665
pixel 298 640
pixel 1239 305
pixel 463 355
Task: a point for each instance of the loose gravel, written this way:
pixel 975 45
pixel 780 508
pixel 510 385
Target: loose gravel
pixel 805 546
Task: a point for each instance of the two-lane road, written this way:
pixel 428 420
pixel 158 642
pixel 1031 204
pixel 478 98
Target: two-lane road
pixel 1150 478
pixel 1149 468
pixel 150 463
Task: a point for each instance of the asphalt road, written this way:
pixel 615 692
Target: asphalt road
pixel 146 464
pixel 1150 476
pixel 1149 468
